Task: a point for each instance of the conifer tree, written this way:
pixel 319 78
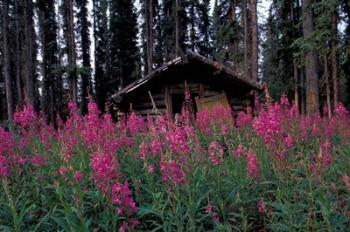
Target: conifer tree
pixel 123 42
pixel 52 89
pixel 204 43
pixel 100 8
pixel 84 34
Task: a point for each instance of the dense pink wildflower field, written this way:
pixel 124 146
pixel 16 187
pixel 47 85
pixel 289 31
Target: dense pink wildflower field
pixel 268 169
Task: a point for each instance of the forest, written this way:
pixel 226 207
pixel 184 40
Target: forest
pixel 56 51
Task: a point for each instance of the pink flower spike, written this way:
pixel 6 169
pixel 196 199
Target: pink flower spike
pixel 38 160
pixel 261 206
pixel 62 170
pixel 78 176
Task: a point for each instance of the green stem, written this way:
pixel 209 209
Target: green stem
pixel 11 205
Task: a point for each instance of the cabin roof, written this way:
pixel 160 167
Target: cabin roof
pixel 186 59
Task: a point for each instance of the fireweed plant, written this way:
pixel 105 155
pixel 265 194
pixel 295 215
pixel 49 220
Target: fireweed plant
pixel 276 171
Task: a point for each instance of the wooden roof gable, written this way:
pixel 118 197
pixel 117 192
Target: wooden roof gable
pixel 189 56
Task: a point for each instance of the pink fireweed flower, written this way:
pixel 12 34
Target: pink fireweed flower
pixel 304 126
pixel 203 121
pixel 216 153
pixel 104 169
pixel 108 127
pixel 261 206
pixel 74 123
pixel 212 212
pixel 38 160
pixel 325 153
pixel 150 169
pixel 240 150
pixel 22 161
pixel 284 102
pixel 156 147
pixel 171 172
pixel 293 111
pixel 224 130
pixel 78 176
pixel 128 225
pixel 91 130
pixel 288 141
pixel 47 133
pixel 143 150
pixel 186 111
pixel 26 117
pixel 341 111
pixel 244 119
pixel 62 170
pixel 331 127
pixel 268 124
pixel 7 141
pixel 178 141
pixel 252 165
pixel 216 117
pixel 316 130
pixel 135 124
pixel 122 197
pixel 327 159
pixel 69 145
pixel 326 145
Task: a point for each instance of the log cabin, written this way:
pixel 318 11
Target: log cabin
pixel 209 82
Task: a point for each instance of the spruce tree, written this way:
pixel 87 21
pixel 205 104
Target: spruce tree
pixel 6 60
pixel 346 53
pixel 100 28
pixel 149 12
pixel 193 9
pixel 226 32
pixel 124 52
pixel 174 28
pixel 52 89
pixel 204 43
pixel 279 52
pixel 84 34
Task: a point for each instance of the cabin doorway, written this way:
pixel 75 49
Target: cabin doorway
pixel 178 101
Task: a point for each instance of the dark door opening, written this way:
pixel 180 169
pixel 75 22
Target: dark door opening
pixel 178 101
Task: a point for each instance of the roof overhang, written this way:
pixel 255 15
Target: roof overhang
pixel 187 58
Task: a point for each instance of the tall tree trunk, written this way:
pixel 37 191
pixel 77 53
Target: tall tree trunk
pixel 44 71
pixel 149 34
pixel 326 79
pixel 312 81
pixel 303 93
pixel 73 91
pixel 29 53
pixel 334 58
pixel 346 65
pixel 85 47
pixel 6 65
pixel 18 61
pixel 192 31
pixel 295 66
pixel 177 29
pixel 255 44
pixel 245 38
pixel 235 45
pixel 296 84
